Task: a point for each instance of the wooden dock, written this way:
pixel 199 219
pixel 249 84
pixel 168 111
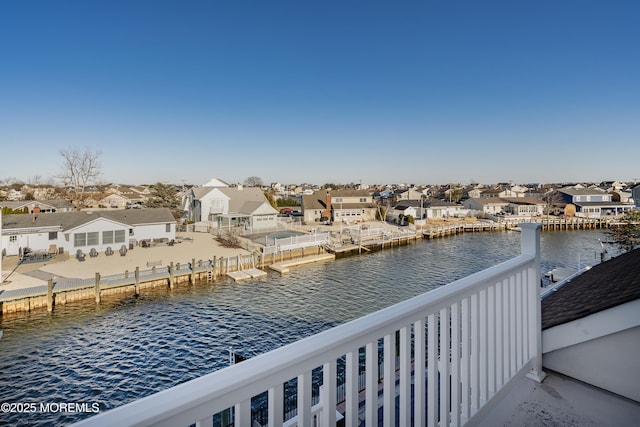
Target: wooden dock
pixel 283 267
pixel 432 232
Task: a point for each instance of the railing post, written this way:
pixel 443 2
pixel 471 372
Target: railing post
pixel 530 245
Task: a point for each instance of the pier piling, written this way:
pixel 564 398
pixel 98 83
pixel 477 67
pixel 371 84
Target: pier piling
pixel 97 288
pixel 50 295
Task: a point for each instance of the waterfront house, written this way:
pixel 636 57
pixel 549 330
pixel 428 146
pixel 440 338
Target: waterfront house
pixel 421 210
pixel 99 230
pixel 347 206
pixel 516 206
pixel 228 207
pixel 592 202
pixel 486 205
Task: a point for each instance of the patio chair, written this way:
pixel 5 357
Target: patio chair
pixel 108 251
pixel 123 250
pixel 80 255
pixel 93 253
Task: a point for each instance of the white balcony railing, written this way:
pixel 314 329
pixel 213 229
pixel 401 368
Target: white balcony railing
pixel 458 347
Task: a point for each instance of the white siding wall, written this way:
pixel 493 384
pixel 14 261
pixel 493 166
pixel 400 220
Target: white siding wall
pixel 35 241
pixel 154 231
pixel 98 226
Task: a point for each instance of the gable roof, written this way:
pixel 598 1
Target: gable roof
pixel 572 191
pixel 214 182
pixel 69 220
pixel 246 200
pixel 604 286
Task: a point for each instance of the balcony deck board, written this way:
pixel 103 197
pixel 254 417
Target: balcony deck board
pixel 562 401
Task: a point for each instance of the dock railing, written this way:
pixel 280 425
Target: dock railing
pixel 459 348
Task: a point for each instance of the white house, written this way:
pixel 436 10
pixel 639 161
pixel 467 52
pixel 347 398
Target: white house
pixel 224 207
pixel 517 206
pixel 421 210
pixel 70 231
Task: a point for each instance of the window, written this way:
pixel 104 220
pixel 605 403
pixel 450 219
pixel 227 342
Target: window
pixel 80 239
pixel 92 238
pixel 118 236
pixel 131 232
pixel 53 235
pixel 363 200
pixel 168 228
pixel 13 239
pixel 107 237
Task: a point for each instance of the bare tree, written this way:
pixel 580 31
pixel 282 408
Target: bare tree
pixel 79 169
pixel 253 181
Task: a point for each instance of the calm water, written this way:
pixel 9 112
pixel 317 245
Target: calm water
pixel 131 347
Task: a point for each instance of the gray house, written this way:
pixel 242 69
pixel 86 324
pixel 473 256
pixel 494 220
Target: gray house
pixel 593 202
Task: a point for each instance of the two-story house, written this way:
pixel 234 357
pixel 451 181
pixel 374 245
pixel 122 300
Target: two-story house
pixel 226 207
pixel 592 202
pixel 346 206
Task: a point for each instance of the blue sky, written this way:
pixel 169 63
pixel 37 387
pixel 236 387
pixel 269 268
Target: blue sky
pixel 323 91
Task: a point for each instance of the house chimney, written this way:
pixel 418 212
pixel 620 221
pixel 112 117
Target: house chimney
pixel 327 211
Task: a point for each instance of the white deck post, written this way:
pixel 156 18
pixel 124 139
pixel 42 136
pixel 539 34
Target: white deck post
pixel 530 245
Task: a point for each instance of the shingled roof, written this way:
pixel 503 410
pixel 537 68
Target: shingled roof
pixel 69 220
pixel 606 285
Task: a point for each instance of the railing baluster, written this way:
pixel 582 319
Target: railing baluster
pixel 483 347
pixel 405 376
pixel 304 399
pixel 475 352
pixel 371 409
pixel 519 331
pixel 455 364
pixel 351 389
pixel 206 422
pixel 491 340
pixel 242 414
pixel 419 373
pixel 512 327
pixel 499 334
pixel 328 416
pixel 276 405
pixel 465 355
pixel 432 370
pixel 508 326
pixel 444 363
pixel 389 388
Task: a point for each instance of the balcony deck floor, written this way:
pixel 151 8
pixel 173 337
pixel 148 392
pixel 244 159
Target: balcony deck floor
pixel 562 401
